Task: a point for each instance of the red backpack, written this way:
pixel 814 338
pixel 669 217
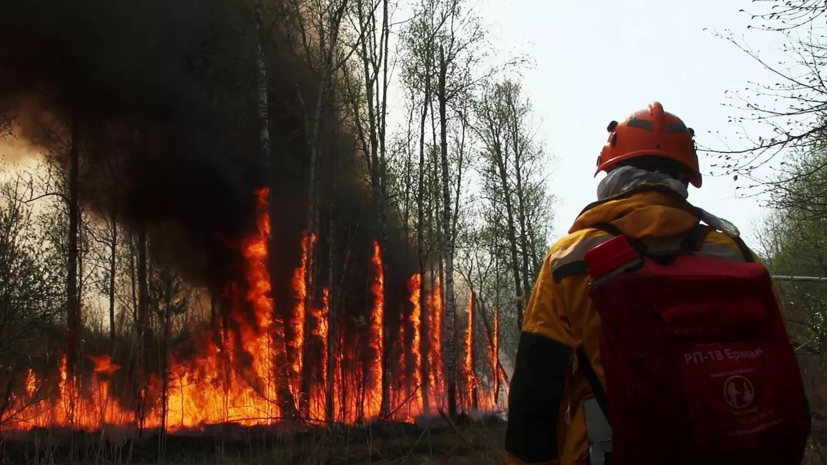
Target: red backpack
pixel 698 365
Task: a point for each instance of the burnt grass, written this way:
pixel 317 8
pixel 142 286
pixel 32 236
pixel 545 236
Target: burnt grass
pixel 467 442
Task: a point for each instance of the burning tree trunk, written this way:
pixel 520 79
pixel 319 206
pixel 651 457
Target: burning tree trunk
pixel 330 342
pixel 303 282
pixel 73 298
pixel 415 288
pixel 374 56
pixel 328 47
pixel 447 241
pixel 495 353
pixel 165 356
pixel 435 334
pixel 285 398
pixel 377 377
pixel 420 241
pixel 493 334
pixel 470 375
pixel 382 200
pixel 143 327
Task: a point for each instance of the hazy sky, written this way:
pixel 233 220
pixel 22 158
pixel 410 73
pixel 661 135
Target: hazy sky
pixel 599 60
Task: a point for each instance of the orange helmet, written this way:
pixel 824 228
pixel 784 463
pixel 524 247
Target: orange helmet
pixel 651 132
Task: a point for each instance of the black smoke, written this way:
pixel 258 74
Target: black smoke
pixel 162 96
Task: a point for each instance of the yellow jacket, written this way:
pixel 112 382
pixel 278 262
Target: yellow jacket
pixel 546 424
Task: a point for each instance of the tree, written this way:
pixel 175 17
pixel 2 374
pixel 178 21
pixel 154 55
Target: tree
pixel 787 115
pixel 372 49
pixel 285 397
pixel 418 68
pixel 31 293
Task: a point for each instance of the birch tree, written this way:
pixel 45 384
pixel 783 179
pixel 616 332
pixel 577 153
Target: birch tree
pixel 418 75
pixel 370 109
pixel 285 398
pixel 512 169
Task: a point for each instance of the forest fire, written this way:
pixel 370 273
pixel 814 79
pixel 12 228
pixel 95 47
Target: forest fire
pixel 468 361
pixel 248 369
pixel 377 335
pixel 416 343
pixel 435 379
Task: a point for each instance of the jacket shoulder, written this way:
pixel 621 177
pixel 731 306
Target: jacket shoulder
pixel 566 256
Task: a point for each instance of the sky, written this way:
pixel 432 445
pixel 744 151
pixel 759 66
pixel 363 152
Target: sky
pixel 598 61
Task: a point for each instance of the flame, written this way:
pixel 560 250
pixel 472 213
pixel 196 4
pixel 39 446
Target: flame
pixel 435 345
pixel 300 282
pixel 377 336
pixel 470 376
pixel 400 388
pixel 320 332
pixel 416 323
pixel 495 355
pixel 243 367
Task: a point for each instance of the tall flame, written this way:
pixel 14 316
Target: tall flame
pixel 416 325
pixel 495 356
pixel 245 368
pixel 299 316
pixel 470 376
pixel 320 332
pixel 435 345
pixel 377 335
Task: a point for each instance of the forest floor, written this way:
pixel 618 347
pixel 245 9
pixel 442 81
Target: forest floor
pixel 472 443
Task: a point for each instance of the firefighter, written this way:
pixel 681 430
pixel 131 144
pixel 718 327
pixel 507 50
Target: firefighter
pixel 650 159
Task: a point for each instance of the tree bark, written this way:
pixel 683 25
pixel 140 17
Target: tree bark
pixel 327 47
pixel 285 397
pixel 512 230
pixel 331 315
pixel 73 298
pixel 447 241
pixel 143 325
pixel 113 262
pixel 420 242
pixel 515 113
pixel 261 64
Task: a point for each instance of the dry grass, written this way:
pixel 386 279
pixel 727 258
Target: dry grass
pixel 475 443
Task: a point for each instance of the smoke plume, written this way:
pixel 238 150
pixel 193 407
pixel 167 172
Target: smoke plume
pixel 162 98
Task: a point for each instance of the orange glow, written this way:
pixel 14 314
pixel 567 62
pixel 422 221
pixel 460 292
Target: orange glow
pixel 240 368
pixel 470 376
pixel 495 356
pixel 320 332
pixel 416 324
pixel 300 282
pixel 435 346
pixel 377 336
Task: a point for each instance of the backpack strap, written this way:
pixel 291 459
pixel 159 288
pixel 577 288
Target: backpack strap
pixel 748 256
pixel 694 240
pixel 591 377
pixel 607 228
pixel 580 267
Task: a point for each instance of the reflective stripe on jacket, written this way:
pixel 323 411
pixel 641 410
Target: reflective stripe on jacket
pixel 545 419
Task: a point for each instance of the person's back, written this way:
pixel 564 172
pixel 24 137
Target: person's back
pixel 650 159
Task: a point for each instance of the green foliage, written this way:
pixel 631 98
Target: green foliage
pixel 795 243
